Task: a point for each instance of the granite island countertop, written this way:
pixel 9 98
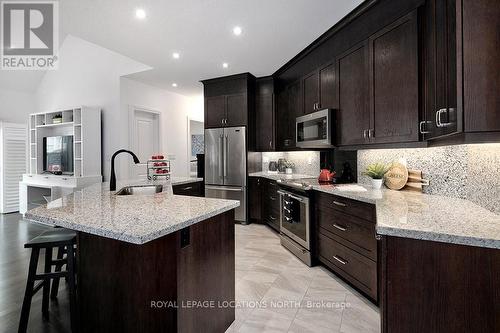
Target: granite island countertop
pixel 420 216
pixel 135 219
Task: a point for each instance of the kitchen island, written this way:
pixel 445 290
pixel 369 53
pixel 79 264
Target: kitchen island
pixel 149 263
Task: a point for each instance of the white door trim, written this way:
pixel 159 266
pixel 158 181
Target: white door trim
pixel 131 128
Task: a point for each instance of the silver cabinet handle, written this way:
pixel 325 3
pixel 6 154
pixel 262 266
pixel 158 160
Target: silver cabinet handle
pixel 341 260
pixel 341 204
pixel 187 188
pixel 371 133
pixel 341 228
pixel 271 144
pixel 319 105
pixel 272 198
pixel 421 127
pixel 272 217
pixel 365 135
pixel 439 112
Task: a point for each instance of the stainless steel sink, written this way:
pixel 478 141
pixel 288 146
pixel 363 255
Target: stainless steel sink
pixel 140 190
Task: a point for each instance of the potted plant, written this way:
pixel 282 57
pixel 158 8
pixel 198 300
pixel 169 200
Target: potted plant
pixel 376 172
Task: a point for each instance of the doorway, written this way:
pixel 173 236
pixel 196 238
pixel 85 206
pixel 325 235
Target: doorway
pixel 144 139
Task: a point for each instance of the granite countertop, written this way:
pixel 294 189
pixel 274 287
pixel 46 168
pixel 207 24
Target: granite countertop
pixel 135 219
pixel 277 176
pixel 420 216
pixel 185 180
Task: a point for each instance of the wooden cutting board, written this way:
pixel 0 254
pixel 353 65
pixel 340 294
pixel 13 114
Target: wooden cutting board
pixel 397 176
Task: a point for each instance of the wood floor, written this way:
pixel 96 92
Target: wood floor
pixel 14 260
pixel 266 274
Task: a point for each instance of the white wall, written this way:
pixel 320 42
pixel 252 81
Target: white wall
pixel 15 106
pixel 90 75
pixel 175 111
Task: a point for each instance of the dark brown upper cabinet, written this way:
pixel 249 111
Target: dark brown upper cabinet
pixel 481 65
pixel 441 115
pixel 319 89
pixel 310 84
pixel 215 111
pixel 229 101
pixel 264 114
pixel 394 82
pixel 353 115
pixel 328 87
pixel 289 107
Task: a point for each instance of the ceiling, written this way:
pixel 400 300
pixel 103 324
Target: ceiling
pixel 201 31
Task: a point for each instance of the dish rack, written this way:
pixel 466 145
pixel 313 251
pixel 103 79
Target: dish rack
pixel 158 168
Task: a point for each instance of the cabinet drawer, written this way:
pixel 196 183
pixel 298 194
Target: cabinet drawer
pixel 348 206
pixel 353 232
pixel 191 189
pixel 273 219
pixel 354 267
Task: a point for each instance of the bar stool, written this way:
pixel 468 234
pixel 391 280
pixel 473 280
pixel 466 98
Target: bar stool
pixel 64 240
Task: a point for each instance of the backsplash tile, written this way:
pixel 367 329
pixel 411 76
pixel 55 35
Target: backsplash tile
pixel 465 171
pixel 301 160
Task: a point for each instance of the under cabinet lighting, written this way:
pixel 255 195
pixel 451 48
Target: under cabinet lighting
pixel 174 85
pixel 225 65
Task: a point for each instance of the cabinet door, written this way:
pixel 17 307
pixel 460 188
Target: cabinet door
pixel 440 91
pixel 215 111
pixel 294 110
pixel 481 40
pixel 311 88
pixel 354 112
pixel 236 110
pixel 264 109
pixel 394 82
pixel 327 87
pixel 255 198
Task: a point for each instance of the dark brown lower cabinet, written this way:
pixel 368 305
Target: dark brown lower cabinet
pixel 155 287
pixel 431 287
pixel 196 189
pixel 255 199
pixel 346 242
pixel 270 203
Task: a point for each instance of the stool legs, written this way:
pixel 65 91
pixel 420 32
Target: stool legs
pixel 46 283
pixel 55 283
pixel 28 294
pixel 72 287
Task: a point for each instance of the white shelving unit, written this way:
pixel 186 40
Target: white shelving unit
pixel 83 123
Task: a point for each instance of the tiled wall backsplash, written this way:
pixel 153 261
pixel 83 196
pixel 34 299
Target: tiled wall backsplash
pixel 306 162
pixel 466 171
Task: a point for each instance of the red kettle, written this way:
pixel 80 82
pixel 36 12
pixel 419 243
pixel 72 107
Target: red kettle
pixel 326 176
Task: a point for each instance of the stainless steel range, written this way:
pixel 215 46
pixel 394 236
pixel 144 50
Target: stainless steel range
pixel 295 218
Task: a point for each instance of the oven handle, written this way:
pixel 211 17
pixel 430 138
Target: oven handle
pixel 291 196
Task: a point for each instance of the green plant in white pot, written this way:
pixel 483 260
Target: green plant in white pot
pixel 376 172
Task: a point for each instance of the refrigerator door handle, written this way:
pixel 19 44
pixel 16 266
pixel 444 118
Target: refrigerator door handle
pixel 222 149
pixel 226 153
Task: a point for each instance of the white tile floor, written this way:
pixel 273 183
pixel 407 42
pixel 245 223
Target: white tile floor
pixel 276 292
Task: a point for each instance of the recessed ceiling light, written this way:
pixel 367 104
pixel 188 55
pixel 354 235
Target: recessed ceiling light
pixel 140 13
pixel 237 31
pixel 174 85
pixel 225 65
pixel 176 55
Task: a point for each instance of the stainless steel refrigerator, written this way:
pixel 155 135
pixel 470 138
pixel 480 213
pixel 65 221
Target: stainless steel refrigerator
pixel 226 166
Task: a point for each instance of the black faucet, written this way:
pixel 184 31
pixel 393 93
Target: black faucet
pixel 112 180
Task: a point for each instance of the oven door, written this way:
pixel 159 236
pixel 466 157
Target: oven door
pixel 294 217
pixel 314 130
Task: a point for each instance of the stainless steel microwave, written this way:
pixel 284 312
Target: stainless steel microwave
pixel 314 130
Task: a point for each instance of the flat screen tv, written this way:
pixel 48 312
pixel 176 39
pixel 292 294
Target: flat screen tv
pixel 58 154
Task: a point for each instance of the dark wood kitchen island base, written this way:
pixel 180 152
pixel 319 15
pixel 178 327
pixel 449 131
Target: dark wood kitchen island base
pixel 182 282
pixel 429 286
